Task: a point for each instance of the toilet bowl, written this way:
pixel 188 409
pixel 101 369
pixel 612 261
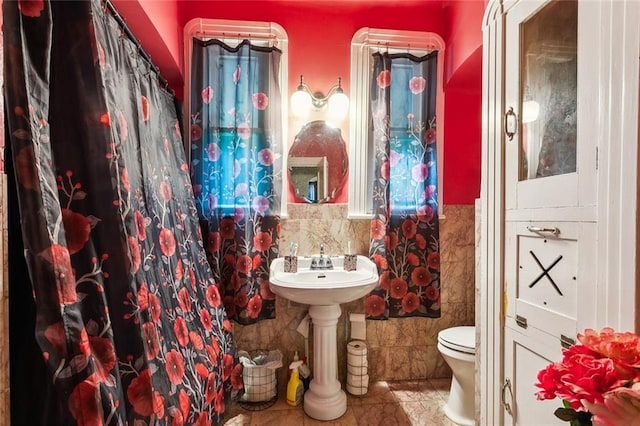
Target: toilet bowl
pixel 457 347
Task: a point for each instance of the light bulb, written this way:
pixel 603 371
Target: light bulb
pixel 338 106
pixel 300 103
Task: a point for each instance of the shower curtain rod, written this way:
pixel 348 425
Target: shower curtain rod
pixel 120 20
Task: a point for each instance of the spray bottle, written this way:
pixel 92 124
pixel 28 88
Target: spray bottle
pixel 295 388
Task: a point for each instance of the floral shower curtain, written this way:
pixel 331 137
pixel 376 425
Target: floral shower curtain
pixel 235 162
pixel 404 230
pixel 128 320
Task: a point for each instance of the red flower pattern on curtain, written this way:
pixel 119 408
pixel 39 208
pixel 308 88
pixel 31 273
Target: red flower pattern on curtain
pixel 404 230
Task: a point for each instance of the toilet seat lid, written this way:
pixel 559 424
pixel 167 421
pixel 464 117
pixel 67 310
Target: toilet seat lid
pixel 461 339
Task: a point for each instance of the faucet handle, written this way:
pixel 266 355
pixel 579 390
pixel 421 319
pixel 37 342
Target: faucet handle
pixel 321 249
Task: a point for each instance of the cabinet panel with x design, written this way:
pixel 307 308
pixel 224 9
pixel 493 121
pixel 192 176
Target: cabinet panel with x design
pixel 549 279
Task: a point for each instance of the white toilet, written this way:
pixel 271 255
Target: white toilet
pixel 458 348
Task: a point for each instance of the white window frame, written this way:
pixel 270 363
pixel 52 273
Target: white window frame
pixel 233 32
pixel 364 43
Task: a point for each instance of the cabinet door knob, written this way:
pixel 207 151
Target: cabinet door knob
pixel 554 230
pixel 510 123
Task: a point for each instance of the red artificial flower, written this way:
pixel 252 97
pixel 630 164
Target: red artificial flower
pixel 174 364
pixel 203 419
pixel 581 375
pixel 179 274
pixel 622 348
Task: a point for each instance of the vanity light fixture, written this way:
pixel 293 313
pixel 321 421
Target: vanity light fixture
pixel 336 102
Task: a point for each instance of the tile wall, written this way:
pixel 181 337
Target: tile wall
pixel 398 349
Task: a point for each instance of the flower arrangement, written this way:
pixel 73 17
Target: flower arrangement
pixel 598 381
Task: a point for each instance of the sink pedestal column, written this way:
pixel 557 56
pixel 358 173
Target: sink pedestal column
pixel 325 399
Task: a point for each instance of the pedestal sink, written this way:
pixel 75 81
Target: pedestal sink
pixel 324 291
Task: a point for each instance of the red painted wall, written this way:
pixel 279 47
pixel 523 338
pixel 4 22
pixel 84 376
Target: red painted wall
pixel 320 34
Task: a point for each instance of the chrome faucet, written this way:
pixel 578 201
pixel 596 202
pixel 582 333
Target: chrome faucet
pixel 321 261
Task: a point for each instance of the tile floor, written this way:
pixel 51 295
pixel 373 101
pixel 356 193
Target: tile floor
pixel 402 403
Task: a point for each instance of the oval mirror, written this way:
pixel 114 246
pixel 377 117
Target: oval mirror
pixel 317 163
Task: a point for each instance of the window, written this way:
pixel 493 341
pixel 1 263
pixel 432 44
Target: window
pixel 235 35
pixel 365 43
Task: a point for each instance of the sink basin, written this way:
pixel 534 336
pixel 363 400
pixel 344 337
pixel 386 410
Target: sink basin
pixel 324 290
pixel 323 287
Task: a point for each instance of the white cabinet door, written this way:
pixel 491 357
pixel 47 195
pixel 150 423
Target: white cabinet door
pixel 525 355
pixel 550 198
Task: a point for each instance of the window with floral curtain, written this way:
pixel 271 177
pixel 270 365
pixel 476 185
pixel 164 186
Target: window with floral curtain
pixel 404 228
pixel 235 162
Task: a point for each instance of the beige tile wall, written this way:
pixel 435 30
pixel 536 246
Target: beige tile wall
pixel 398 349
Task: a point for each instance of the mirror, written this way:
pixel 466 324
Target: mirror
pixel 317 163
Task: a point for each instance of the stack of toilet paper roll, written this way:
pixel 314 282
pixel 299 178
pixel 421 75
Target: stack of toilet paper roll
pixel 357 365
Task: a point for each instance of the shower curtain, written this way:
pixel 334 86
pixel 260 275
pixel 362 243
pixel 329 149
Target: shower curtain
pixel 404 230
pixel 236 150
pixel 128 318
